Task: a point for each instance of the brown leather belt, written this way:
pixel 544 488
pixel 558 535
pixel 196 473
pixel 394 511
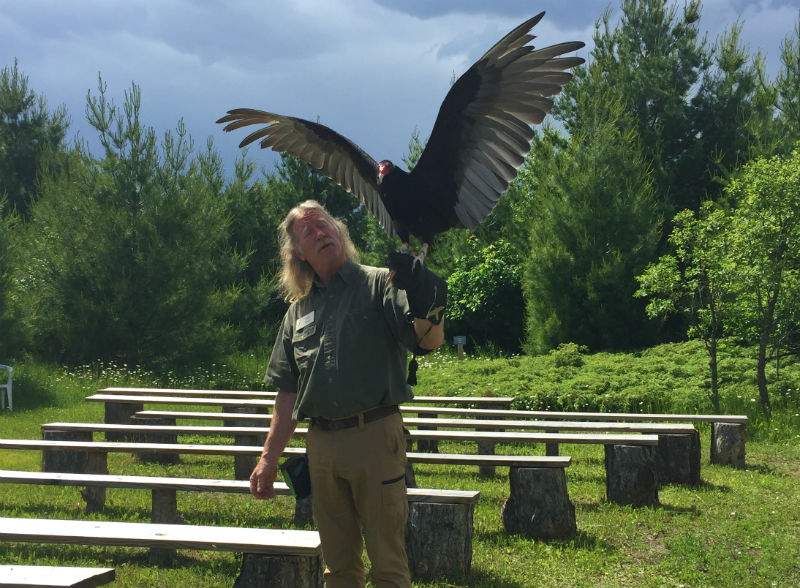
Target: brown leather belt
pixel 369 416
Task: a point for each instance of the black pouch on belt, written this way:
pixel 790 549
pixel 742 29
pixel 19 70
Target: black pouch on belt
pixel 296 476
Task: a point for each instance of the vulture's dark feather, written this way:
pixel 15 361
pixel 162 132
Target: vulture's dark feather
pixel 480 139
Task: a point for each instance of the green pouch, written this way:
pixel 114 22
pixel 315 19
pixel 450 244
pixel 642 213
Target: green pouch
pixel 296 476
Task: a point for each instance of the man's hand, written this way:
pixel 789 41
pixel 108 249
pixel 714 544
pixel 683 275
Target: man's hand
pixel 426 292
pixel 262 480
pixel 403 265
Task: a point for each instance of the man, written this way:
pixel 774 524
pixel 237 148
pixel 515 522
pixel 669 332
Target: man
pixel 339 361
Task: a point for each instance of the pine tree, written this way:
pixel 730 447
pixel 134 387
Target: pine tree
pixel 595 227
pixel 127 257
pixel 29 135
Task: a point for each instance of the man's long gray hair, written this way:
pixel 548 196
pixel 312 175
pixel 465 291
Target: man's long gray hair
pixel 297 275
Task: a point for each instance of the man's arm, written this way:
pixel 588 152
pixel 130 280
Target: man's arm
pixel 427 298
pixel 280 431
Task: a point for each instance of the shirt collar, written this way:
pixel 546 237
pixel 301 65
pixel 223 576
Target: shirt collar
pixel 346 274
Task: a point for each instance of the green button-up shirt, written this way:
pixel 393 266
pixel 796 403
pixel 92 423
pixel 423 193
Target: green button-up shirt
pixel 343 347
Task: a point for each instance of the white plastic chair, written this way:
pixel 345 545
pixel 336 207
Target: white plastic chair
pixel 7 387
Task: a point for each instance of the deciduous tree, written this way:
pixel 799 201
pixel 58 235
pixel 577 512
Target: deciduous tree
pixel 765 253
pixel 694 281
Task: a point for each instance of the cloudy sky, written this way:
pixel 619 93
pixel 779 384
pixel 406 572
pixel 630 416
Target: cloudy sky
pixel 374 70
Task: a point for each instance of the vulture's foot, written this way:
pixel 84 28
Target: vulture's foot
pixel 419 258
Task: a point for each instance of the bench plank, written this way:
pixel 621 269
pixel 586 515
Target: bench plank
pixel 474 412
pixel 201 485
pixel 14 576
pixel 498 436
pixel 481 400
pixel 189 448
pixel 592 426
pixel 188 392
pixel 587 416
pixel 179 400
pixel 239 539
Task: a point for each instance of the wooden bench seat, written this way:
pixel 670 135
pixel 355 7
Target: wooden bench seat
pixel 453 411
pixel 428 442
pixel 728 432
pixel 677 462
pixel 489 401
pixel 551 501
pixel 631 469
pixel 14 576
pixel 294 558
pixel 593 437
pixel 446 515
pixel 486 433
pixel 55 447
pixel 164 510
pixel 449 423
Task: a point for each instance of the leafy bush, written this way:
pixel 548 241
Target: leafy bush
pixel 568 354
pixel 670 378
pixel 485 297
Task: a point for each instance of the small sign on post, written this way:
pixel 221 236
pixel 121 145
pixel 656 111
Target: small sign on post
pixel 460 341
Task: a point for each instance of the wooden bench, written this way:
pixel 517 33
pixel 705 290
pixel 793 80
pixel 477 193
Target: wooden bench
pixel 674 473
pixel 486 401
pixel 727 434
pixel 14 576
pixel 555 518
pixel 438 534
pixel 285 558
pixel 677 453
pixel 631 470
pixel 120 409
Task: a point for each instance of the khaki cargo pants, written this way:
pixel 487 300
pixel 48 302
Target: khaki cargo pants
pixel 358 484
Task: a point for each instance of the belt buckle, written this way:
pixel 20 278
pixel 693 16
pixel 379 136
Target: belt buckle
pixel 335 424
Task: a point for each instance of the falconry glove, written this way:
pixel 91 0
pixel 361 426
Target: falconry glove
pixel 426 292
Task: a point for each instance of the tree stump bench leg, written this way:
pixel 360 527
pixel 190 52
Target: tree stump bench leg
pixel 279 571
pixel 168 438
pixel 164 510
pixel 539 505
pixel 77 462
pixel 165 506
pixel 120 413
pixel 631 475
pixel 427 445
pixel 678 459
pixel 486 447
pixel 728 444
pixel 439 539
pixel 95 496
pixel 303 512
pixel 243 465
pixel 551 447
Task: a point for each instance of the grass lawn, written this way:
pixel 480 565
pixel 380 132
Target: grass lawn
pixel 738 528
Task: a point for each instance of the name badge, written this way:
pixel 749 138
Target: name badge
pixel 304 321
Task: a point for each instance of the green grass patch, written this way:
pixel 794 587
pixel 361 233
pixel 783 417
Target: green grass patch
pixel 739 527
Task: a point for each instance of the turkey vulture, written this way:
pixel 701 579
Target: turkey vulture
pixel 479 141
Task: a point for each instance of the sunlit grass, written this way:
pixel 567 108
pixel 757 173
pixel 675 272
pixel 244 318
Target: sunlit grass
pixel 739 527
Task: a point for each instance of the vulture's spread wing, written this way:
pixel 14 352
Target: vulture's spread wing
pixel 482 133
pixel 335 155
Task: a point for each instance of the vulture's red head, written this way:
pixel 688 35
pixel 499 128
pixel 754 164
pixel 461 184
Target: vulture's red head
pixel 385 167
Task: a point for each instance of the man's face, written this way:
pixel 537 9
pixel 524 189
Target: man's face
pixel 318 241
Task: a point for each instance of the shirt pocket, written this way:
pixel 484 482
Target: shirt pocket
pixel 305 344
